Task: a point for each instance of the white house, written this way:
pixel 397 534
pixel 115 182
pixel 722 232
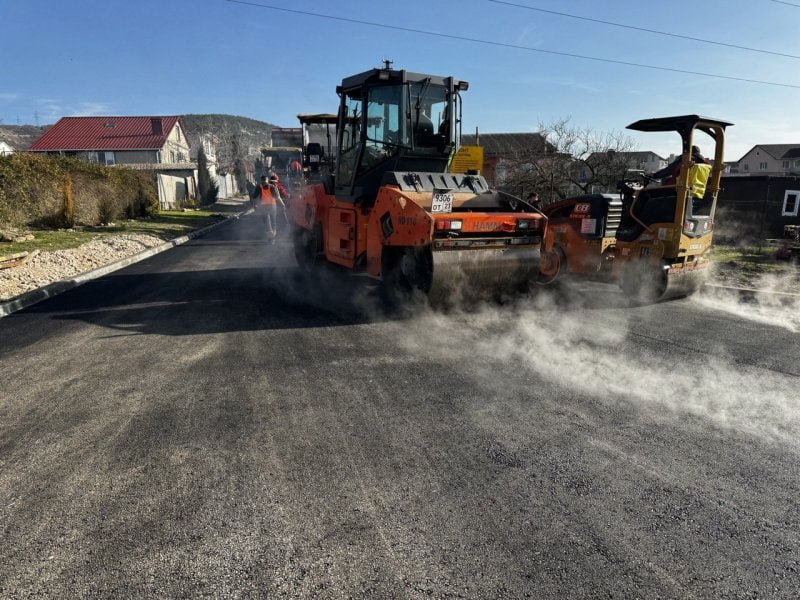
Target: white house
pixel 771 159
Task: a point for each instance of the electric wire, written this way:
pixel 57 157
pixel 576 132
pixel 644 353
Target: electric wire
pixel 655 31
pixel 513 46
pixel 786 3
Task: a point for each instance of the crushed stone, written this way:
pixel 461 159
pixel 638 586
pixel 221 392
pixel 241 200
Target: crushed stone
pixel 49 266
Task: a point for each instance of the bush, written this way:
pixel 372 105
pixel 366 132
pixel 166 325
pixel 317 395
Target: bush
pixel 106 211
pixel 143 205
pixel 69 205
pixel 33 191
pixel 212 194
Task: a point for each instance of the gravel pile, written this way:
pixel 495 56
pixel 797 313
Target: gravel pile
pixel 47 267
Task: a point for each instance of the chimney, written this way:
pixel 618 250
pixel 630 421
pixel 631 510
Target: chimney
pixel 155 124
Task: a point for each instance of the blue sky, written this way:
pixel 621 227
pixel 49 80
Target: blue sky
pixel 88 57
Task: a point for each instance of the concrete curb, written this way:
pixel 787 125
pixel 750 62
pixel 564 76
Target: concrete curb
pixel 59 287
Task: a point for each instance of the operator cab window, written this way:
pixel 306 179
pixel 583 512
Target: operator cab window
pixel 351 140
pixel 383 125
pixel 429 120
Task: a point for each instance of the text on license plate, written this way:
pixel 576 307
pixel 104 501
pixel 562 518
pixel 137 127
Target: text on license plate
pixel 442 202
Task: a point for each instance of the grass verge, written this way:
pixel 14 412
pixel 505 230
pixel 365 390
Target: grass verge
pixel 746 266
pixel 166 224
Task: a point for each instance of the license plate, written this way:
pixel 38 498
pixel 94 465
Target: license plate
pixel 442 202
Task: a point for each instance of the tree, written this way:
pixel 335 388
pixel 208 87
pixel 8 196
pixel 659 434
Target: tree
pixel 239 168
pixel 207 190
pixel 572 161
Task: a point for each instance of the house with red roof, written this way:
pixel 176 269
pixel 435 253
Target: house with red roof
pixel 154 143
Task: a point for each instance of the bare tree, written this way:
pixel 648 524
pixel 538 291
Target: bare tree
pixel 573 160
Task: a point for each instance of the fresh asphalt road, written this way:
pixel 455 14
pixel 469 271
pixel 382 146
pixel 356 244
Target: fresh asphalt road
pixel 209 423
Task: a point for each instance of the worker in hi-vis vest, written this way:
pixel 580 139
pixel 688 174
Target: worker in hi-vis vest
pixel 268 198
pixel 698 178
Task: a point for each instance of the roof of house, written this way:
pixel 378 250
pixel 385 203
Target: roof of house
pixel 793 153
pixel 505 143
pixel 637 155
pixel 107 133
pixel 774 150
pixel 642 154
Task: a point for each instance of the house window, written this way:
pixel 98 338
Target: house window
pixel 791 202
pixel 178 133
pixel 172 156
pixel 108 158
pixel 762 166
pixel 787 164
pixel 746 167
pixel 797 163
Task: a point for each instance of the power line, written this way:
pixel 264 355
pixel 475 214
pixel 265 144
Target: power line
pixel 665 33
pixel 787 3
pixel 514 46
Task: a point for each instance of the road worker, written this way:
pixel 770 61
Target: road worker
pixel 269 199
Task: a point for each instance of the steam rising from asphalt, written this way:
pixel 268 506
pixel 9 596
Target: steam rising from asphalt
pixel 586 347
pixel 776 302
pixel 598 356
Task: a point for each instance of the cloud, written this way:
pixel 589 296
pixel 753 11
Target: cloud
pixel 8 97
pixel 50 109
pixel 92 109
pixel 525 37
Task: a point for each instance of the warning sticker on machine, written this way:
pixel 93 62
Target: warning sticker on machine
pixel 442 202
pixel 468 158
pixel 589 226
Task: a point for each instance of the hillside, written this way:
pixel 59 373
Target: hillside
pixel 20 137
pixel 252 133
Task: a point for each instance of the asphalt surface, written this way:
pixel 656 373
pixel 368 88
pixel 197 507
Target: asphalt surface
pixel 209 422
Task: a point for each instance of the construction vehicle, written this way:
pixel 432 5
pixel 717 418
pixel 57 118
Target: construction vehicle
pixel 285 147
pixel 392 210
pixel 316 159
pixel 657 248
pixel 666 231
pixel 584 229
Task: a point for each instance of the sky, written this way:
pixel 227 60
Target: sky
pixel 249 58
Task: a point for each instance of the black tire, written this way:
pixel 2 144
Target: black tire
pixel 405 272
pixel 561 269
pixel 307 247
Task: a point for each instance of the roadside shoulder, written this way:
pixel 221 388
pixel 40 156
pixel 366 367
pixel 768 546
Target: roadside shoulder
pixel 51 273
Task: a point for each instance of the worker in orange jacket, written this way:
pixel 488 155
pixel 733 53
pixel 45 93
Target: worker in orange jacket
pixel 268 199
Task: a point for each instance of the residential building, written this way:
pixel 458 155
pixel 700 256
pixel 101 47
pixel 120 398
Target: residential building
pixel 644 160
pixel 771 159
pixel 6 149
pixel 156 143
pixel 503 152
pixel 609 167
